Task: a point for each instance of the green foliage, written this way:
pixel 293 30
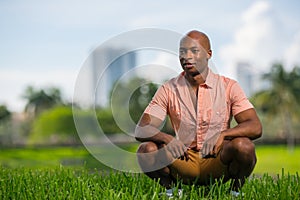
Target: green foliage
pixel 283 94
pixel 54 126
pixel 140 99
pixel 4 113
pixel 280 102
pixel 39 100
pixel 107 122
pixel 128 101
pixel 57 126
pixel 62 183
pixel 6 135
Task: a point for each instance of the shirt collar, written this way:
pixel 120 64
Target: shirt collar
pixel 209 82
pixel 210 79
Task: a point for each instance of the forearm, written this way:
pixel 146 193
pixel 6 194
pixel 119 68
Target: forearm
pixel 250 128
pixel 151 133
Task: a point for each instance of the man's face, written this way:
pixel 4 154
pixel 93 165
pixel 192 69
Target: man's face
pixel 193 57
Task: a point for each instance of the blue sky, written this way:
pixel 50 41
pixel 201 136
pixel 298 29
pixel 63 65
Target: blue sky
pixel 45 43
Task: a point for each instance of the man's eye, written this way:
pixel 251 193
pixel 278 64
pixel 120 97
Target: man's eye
pixel 195 50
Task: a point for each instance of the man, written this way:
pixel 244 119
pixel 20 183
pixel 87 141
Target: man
pixel 200 105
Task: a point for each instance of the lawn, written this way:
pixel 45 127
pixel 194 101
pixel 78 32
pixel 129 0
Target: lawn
pixel 67 183
pixel 72 173
pixel 271 159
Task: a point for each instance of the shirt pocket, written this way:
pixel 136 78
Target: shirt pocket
pixel 175 116
pixel 218 118
pixel 182 120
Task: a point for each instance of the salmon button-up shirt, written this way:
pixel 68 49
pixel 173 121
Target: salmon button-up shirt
pixel 219 98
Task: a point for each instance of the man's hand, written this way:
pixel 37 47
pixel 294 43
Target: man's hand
pixel 218 145
pixel 148 130
pixel 177 149
pixel 212 146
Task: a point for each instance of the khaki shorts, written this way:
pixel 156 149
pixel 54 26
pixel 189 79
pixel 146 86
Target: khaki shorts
pixel 197 169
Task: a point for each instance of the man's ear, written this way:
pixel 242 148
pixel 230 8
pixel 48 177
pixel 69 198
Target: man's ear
pixel 209 54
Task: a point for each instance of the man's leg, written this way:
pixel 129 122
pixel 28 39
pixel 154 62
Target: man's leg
pixel 151 160
pixel 239 155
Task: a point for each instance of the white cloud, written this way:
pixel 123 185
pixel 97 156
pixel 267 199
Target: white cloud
pixel 67 13
pixel 160 66
pixel 13 82
pixel 292 53
pixel 257 41
pixel 257 9
pixel 51 34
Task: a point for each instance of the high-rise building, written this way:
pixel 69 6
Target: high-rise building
pixel 250 78
pixel 245 77
pixel 108 66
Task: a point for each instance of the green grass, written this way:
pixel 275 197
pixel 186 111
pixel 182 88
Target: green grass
pixel 45 157
pixel 72 173
pixel 66 183
pixel 270 159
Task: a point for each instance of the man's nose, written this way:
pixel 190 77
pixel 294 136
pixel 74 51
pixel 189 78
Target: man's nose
pixel 187 55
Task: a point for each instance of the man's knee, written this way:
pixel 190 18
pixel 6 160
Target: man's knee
pixel 241 149
pixel 147 147
pixel 243 145
pixel 245 150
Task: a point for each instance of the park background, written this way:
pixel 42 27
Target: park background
pixel 43 46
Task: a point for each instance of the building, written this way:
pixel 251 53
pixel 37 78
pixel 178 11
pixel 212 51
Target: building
pixel 245 77
pixel 251 79
pixel 108 65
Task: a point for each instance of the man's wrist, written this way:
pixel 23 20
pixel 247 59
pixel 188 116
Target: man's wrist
pixel 167 138
pixel 224 135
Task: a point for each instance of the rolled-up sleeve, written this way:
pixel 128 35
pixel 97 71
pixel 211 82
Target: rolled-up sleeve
pixel 239 100
pixel 159 103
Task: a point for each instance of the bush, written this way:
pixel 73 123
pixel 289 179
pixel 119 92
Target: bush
pixel 54 126
pixel 107 122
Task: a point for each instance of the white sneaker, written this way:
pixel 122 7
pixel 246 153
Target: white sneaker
pixel 236 194
pixel 170 192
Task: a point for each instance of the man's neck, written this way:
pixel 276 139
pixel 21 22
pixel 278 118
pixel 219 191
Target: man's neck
pixel 198 79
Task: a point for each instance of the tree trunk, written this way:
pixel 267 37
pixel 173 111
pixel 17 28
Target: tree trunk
pixel 290 138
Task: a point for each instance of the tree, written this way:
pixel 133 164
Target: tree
pixel 140 99
pixel 54 126
pixel 5 126
pixel 128 101
pixel 106 122
pixel 4 113
pixel 281 98
pixel 39 100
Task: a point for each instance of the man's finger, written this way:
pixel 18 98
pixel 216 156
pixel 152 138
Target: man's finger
pixel 186 155
pixel 207 150
pixel 204 149
pixel 177 152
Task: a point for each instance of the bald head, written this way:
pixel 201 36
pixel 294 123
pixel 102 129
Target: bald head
pixel 200 37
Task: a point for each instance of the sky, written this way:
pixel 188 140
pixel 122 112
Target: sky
pixel 45 43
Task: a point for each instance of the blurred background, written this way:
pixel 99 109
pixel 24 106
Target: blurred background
pixel 44 45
